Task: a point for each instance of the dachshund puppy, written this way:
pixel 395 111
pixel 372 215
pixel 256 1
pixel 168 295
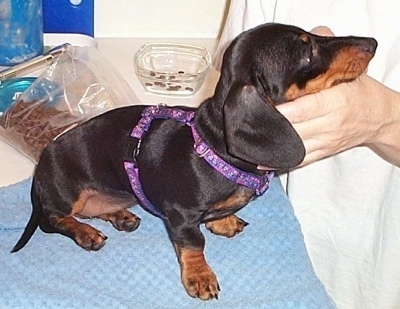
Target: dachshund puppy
pixel 192 166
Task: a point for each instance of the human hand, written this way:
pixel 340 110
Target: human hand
pixel 322 31
pixel 362 112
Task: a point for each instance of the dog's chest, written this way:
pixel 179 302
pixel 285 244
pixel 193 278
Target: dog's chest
pixel 227 206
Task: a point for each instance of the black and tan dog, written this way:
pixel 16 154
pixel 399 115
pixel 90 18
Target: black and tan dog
pixel 82 173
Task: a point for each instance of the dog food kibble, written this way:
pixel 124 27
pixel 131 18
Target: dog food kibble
pixel 160 84
pixel 164 81
pixel 33 127
pixel 174 88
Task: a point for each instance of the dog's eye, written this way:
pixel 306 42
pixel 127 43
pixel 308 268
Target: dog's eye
pixel 305 62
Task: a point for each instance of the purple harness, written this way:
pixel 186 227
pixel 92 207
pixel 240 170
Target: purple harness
pixel 259 183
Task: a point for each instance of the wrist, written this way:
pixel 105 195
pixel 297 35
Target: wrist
pixel 386 141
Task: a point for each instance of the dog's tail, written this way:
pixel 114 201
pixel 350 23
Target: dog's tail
pixel 32 224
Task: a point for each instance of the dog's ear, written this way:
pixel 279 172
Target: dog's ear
pixel 257 133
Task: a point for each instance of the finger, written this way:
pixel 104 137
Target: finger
pixel 304 109
pixel 322 30
pixel 318 139
pixel 321 145
pixel 313 157
pixel 290 111
pixel 316 149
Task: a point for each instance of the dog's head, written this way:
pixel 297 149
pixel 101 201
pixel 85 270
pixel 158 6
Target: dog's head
pixel 272 64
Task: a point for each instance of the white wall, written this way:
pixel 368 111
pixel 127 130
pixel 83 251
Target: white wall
pixel 159 18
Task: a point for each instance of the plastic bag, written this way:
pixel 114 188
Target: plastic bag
pixel 80 84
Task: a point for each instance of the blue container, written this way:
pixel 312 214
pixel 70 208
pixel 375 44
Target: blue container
pixel 11 89
pixel 68 16
pixel 21 30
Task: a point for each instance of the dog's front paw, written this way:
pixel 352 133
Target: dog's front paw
pixel 122 220
pixel 201 283
pixel 126 224
pixel 228 226
pixel 197 277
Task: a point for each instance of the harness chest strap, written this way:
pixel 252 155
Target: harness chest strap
pixel 259 183
pixel 133 174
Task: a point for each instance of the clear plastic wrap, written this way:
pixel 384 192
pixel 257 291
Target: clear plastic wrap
pixel 80 84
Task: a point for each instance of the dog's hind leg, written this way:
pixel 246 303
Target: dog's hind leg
pixel 83 234
pixel 90 203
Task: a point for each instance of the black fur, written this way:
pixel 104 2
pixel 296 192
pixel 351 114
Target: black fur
pixel 239 122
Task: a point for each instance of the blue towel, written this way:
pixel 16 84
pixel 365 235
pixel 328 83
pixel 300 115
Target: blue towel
pixel 266 266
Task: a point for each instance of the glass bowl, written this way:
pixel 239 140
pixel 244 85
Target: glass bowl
pixel 172 69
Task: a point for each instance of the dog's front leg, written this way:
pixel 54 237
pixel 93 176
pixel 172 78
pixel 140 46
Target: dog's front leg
pixel 197 277
pixel 228 226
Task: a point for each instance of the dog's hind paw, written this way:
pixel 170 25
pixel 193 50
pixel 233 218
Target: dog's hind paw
pixel 92 242
pixel 83 234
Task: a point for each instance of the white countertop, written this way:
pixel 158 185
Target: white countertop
pixel 16 167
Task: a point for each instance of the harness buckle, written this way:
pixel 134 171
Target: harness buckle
pixel 201 148
pixel 136 151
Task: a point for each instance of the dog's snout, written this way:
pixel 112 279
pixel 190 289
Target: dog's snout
pixel 370 45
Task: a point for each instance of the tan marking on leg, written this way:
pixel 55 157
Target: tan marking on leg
pixel 228 226
pixel 239 198
pixel 80 203
pixel 122 220
pixel 84 235
pixel 197 277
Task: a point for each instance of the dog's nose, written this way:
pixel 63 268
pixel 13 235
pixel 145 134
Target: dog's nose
pixel 370 45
